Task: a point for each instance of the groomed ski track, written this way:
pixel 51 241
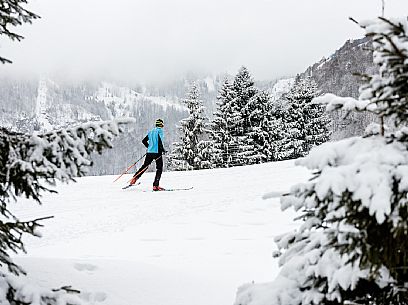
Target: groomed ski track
pixel 129 247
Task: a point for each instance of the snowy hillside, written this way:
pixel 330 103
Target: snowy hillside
pixel 57 106
pixel 44 104
pixel 122 101
pixel 128 247
pixel 50 105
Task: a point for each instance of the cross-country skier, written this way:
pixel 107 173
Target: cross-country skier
pixel 155 149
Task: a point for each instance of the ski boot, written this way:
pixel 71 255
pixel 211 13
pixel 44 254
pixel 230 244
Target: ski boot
pixel 133 181
pixel 158 188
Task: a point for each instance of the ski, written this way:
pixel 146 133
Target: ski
pixel 164 190
pixel 130 185
pixel 169 190
pixel 177 189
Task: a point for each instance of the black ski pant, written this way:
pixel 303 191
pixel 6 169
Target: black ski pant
pixel 150 157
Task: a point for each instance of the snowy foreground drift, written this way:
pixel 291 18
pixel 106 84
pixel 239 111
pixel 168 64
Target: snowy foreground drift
pixel 128 247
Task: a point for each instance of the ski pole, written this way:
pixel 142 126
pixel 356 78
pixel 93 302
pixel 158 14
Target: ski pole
pixel 128 168
pixel 145 168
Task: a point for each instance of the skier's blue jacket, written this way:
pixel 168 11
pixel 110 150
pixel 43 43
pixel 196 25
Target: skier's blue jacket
pixel 154 141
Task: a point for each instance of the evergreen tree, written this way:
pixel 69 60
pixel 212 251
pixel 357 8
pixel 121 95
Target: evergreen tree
pixel 241 109
pixel 221 126
pixel 279 134
pixel 231 123
pixel 28 164
pixel 275 146
pixel 266 129
pixel 12 13
pixel 194 149
pixel 305 122
pixel 353 245
pixel 388 89
pixel 245 129
pixel 205 153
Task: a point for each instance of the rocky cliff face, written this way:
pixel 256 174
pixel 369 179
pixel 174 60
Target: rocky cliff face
pixel 337 74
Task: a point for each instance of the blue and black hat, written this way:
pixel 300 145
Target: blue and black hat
pixel 159 123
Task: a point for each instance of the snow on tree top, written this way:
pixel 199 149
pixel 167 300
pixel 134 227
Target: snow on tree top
pixel 378 26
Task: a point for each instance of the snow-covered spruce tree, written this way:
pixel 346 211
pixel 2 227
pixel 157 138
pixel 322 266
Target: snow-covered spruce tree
pixel 193 151
pixel 29 164
pixel 241 109
pixel 12 13
pixel 275 143
pixel 353 245
pixel 244 129
pixel 221 126
pixel 266 131
pixel 278 132
pixel 205 153
pixel 305 122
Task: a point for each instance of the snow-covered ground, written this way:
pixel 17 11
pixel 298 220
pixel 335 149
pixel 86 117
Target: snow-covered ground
pixel 130 247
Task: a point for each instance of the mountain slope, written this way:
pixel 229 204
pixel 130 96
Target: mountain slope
pixel 124 247
pixel 42 105
pixel 336 74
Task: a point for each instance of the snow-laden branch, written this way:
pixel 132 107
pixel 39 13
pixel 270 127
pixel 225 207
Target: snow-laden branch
pixel 352 246
pixel 306 259
pixel 28 164
pixel 334 102
pixel 366 167
pixel 30 160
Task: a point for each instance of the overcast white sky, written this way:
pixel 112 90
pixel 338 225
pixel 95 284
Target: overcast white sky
pixel 162 39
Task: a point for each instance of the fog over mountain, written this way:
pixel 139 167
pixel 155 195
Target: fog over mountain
pixel 137 58
pixel 161 40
